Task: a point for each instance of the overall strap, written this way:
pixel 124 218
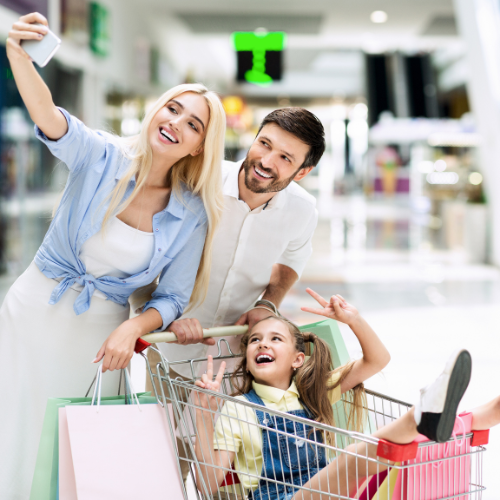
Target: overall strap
pixel 253 397
pixel 309 413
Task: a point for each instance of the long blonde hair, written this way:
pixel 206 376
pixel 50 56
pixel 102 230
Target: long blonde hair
pixel 312 378
pixel 201 174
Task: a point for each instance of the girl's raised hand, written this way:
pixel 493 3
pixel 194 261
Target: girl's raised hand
pixel 336 308
pixel 206 401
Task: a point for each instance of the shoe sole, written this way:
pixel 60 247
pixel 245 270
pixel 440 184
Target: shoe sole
pixel 459 380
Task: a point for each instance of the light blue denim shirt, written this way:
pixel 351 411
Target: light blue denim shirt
pixel 96 162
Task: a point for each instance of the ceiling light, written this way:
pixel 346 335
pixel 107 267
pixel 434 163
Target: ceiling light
pixel 426 167
pixel 378 16
pixel 440 166
pixel 442 178
pixel 475 178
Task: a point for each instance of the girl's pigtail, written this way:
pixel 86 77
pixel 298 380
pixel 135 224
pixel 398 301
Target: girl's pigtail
pixel 354 401
pixel 312 378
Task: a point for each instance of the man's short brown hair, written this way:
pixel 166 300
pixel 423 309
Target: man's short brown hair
pixel 305 126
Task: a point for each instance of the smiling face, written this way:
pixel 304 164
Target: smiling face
pixel 271 355
pixel 179 128
pixel 274 160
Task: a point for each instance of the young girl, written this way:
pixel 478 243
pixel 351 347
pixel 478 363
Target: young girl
pixel 132 209
pixel 274 374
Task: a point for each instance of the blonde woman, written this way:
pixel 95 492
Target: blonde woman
pixel 132 209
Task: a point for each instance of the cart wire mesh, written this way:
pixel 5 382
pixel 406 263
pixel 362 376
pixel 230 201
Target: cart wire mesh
pixel 354 468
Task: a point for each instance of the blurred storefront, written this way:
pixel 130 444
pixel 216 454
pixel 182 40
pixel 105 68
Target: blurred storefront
pixel 93 78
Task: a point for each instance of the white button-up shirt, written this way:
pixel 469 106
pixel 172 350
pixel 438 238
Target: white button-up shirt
pixel 246 245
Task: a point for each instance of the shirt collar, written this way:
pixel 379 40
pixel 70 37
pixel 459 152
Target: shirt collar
pixel 273 394
pixel 231 183
pixel 123 167
pixel 175 207
pixel 232 189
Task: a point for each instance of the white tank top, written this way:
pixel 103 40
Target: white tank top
pixel 119 251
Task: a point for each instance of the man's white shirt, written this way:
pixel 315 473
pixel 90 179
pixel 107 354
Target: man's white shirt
pixel 246 245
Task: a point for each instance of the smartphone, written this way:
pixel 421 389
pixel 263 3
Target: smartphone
pixel 41 51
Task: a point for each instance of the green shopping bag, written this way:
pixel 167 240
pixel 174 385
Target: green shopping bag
pixel 44 485
pixel 329 331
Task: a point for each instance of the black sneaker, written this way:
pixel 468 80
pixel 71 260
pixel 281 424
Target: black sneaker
pixel 439 401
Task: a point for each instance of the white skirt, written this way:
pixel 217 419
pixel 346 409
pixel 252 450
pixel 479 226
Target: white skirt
pixel 45 351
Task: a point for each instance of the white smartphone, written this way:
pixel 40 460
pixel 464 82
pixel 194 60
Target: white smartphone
pixel 41 51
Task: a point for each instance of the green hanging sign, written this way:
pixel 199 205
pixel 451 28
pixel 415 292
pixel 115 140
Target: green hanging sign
pixel 259 56
pixel 99 29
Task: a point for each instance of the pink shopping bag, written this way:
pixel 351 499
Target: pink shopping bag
pixel 116 452
pixel 449 475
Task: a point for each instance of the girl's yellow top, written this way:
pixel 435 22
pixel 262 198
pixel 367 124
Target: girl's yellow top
pixel 237 429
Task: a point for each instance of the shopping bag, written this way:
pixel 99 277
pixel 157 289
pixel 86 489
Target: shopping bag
pixel 44 484
pixel 449 475
pixel 385 485
pixel 388 487
pixel 329 331
pixel 371 486
pixel 398 491
pixel 116 451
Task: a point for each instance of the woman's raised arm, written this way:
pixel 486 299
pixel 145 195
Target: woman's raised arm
pixel 34 92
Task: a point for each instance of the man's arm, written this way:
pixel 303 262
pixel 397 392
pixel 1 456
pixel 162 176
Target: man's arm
pixel 285 272
pixel 282 279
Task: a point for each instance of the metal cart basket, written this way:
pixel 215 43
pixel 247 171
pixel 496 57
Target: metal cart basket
pixel 419 471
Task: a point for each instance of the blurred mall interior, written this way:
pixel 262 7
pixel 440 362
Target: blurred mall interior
pixel 409 93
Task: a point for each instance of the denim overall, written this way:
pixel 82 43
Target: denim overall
pixel 285 458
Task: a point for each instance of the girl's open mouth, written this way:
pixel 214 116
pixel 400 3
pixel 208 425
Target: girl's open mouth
pixel 262 359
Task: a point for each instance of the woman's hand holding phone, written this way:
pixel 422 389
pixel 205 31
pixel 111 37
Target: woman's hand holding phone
pixel 32 26
pixel 35 94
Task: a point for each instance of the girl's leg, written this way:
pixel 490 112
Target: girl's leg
pixel 486 416
pixel 346 473
pixel 435 415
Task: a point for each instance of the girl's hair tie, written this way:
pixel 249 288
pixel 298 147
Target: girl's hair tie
pixel 309 337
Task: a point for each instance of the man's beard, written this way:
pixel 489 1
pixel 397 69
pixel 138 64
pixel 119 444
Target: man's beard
pixel 253 184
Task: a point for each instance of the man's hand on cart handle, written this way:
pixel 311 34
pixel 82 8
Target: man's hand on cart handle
pixel 169 337
pixel 189 331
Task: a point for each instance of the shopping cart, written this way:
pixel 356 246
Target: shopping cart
pixel 418 471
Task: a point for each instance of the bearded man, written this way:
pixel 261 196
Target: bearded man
pixel 264 239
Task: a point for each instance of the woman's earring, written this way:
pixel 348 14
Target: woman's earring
pixel 295 369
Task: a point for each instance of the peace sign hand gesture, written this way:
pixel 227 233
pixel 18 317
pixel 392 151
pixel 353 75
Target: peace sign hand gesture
pixel 207 401
pixel 337 308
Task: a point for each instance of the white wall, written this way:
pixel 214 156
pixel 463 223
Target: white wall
pixel 479 24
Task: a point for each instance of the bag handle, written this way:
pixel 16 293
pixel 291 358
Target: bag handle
pixel 98 387
pixel 446 447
